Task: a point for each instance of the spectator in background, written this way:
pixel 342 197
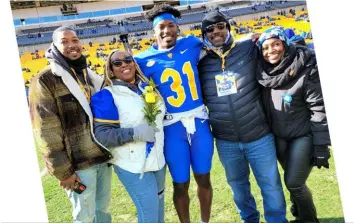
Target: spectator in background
pixel 309 35
pixel 292 37
pixel 27 90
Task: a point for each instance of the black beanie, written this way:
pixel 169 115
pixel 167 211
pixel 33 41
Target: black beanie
pixel 212 18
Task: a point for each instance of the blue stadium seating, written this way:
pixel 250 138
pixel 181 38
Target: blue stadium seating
pixel 144 25
pixel 117 11
pixel 30 21
pixel 100 13
pixel 134 9
pixel 190 2
pixel 85 15
pixel 48 19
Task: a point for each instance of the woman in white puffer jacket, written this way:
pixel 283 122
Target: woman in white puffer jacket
pixel 137 147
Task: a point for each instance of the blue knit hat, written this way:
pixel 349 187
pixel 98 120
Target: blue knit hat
pixel 273 32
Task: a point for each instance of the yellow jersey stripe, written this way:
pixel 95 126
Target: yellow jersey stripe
pixel 106 121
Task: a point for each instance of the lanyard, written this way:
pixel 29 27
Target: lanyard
pixel 224 55
pixel 84 87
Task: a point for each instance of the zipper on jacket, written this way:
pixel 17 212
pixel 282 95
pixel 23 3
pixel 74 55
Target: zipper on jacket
pixel 234 118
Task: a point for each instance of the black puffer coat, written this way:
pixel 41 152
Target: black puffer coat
pixel 238 117
pixel 292 96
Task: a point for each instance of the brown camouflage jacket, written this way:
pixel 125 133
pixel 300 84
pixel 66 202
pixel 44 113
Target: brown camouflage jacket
pixel 62 122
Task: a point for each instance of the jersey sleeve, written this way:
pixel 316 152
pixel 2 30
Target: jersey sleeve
pixel 142 61
pixel 196 45
pixel 103 108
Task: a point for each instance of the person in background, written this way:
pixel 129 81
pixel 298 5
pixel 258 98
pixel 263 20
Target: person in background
pixel 293 37
pixel 27 90
pixel 295 108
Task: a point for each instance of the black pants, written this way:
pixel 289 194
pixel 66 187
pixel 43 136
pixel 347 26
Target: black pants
pixel 295 156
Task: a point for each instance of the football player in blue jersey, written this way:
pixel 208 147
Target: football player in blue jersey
pixel 172 64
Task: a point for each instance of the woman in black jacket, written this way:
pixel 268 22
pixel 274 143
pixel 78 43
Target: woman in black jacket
pixel 293 101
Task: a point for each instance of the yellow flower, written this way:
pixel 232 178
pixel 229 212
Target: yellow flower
pixel 150 98
pixel 149 89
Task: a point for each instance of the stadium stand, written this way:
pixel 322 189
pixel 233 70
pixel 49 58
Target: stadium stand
pixel 33 62
pixel 104 28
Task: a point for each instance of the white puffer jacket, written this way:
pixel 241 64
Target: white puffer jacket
pixel 131 156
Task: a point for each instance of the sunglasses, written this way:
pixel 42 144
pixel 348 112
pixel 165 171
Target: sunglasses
pixel 211 28
pixel 119 62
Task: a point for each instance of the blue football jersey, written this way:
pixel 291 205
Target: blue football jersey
pixel 175 73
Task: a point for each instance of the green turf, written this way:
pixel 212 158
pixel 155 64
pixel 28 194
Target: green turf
pixel 323 184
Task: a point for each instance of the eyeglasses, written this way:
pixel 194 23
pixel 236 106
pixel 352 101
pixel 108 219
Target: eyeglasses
pixel 211 28
pixel 119 62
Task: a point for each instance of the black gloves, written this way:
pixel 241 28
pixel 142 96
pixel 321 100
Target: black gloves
pixel 321 156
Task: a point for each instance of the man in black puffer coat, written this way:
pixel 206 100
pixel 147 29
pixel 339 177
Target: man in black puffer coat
pixel 233 97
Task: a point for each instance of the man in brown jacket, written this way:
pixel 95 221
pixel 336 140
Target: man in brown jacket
pixel 62 122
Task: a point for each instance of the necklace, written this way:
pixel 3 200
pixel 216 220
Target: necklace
pixel 84 87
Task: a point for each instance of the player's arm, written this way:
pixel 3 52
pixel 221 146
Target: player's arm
pixel 197 45
pixel 251 36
